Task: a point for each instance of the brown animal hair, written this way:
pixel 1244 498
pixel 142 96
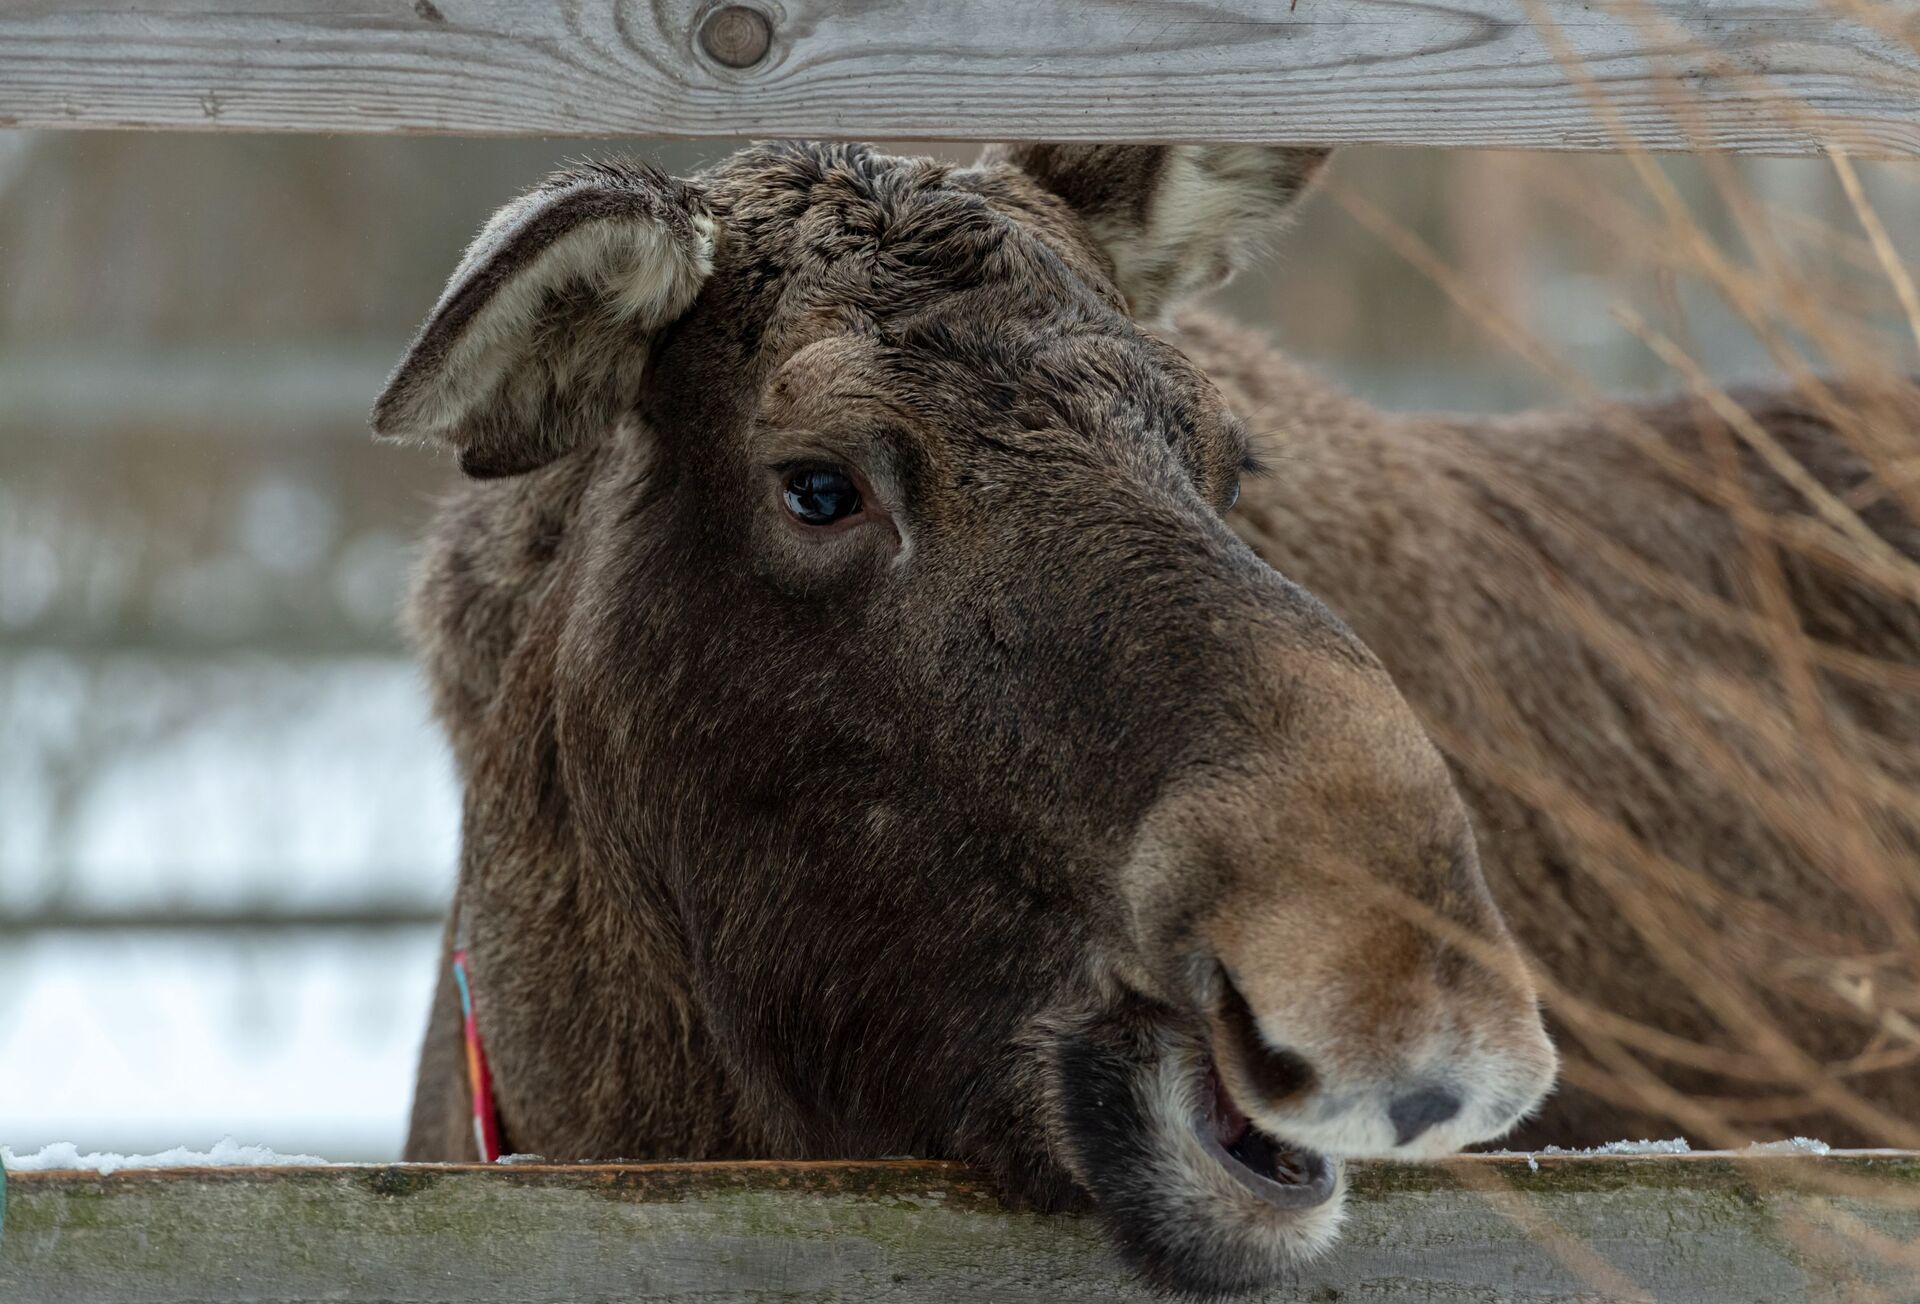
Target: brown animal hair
pixel 876 741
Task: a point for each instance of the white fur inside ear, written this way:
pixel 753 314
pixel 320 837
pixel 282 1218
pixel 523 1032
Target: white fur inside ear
pixel 641 271
pixel 1210 206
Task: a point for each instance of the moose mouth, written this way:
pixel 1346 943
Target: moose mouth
pixel 1285 1175
pixel 1197 1199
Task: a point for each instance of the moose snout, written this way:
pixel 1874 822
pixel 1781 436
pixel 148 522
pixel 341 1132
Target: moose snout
pixel 1416 1071
pixel 1320 904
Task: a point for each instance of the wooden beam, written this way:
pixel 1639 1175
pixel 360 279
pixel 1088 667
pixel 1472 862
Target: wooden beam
pixel 1770 76
pixel 398 914
pixel 1675 1228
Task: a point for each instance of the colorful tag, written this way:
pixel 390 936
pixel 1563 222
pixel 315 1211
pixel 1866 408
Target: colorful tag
pixel 486 1125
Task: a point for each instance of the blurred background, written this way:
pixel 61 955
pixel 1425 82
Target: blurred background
pixel 227 827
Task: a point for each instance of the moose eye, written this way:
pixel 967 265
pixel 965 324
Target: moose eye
pixel 820 495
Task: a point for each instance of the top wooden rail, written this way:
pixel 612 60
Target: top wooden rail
pixel 1704 1227
pixel 1764 76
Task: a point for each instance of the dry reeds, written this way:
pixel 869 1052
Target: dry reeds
pixel 1802 718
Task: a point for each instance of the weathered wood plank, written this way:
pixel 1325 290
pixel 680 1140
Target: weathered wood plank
pixel 1778 76
pixel 1674 1228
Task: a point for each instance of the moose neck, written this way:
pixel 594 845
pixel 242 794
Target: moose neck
pixel 596 1043
pixel 581 988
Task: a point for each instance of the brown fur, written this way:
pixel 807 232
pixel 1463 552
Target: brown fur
pixel 1452 547
pixel 971 831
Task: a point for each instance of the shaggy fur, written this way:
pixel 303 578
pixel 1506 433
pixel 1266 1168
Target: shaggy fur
pixel 982 827
pixel 1457 550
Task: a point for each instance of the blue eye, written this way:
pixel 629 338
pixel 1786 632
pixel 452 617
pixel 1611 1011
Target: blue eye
pixel 820 495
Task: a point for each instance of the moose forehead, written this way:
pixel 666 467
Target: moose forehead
pixel 859 288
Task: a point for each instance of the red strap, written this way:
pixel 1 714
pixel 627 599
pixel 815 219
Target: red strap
pixel 486 1122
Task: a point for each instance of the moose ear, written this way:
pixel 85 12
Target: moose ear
pixel 542 336
pixel 1175 220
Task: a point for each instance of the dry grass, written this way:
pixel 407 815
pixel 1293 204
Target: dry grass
pixel 1815 736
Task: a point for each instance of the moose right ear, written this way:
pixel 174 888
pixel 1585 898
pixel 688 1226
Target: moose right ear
pixel 541 338
pixel 1174 220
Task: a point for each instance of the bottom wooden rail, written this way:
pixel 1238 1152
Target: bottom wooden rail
pixel 1673 1227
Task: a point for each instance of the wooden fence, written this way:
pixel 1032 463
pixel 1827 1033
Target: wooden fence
pixel 1780 76
pixel 1671 1228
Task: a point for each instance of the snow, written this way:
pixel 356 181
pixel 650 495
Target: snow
pixel 305 1042
pixel 136 782
pixel 133 781
pixel 1674 1146
pixel 226 1153
pixel 1798 1145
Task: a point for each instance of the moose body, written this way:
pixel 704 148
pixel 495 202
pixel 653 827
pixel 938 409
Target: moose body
pixel 880 738
pixel 1557 603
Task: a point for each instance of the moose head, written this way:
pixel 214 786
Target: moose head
pixel 843 621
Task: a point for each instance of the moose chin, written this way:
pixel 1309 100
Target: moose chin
pixel 878 740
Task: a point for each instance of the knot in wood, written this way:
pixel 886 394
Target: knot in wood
pixel 736 36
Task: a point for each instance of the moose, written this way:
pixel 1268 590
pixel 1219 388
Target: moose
pixel 921 691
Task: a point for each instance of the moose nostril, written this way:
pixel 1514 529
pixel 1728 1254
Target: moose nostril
pixel 1275 1074
pixel 1417 1111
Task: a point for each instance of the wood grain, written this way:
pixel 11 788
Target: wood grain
pixel 1778 76
pixel 1679 1228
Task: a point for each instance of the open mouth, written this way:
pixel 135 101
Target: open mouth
pixel 1285 1175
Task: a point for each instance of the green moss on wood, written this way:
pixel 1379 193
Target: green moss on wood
pixel 1685 1228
